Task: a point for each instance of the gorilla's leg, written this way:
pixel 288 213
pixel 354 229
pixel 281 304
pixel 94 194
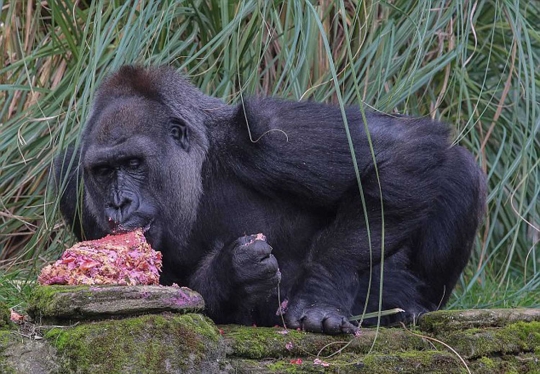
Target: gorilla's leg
pixel 324 295
pixel 421 275
pixel 429 225
pixel 235 278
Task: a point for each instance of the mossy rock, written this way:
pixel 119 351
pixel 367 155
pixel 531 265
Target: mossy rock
pixel 512 339
pixel 20 355
pixel 443 321
pixel 176 343
pixel 5 341
pixel 269 342
pixel 5 321
pixel 398 362
pixel 166 343
pixel 65 303
pixel 506 364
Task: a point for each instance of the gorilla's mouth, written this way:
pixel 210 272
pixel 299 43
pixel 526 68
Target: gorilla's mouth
pixel 116 227
pixel 150 230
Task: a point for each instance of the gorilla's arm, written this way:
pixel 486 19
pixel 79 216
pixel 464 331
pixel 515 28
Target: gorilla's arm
pixel 302 148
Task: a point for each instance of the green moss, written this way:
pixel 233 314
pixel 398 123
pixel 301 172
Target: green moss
pixel 5 320
pixel 6 339
pixel 444 321
pixel 5 368
pixel 191 343
pixel 528 332
pixel 291 367
pixel 399 362
pixel 412 361
pixel 487 350
pixel 43 302
pixel 487 362
pixel 522 363
pixel 282 367
pixel 258 342
pixel 264 342
pixel 513 338
pixel 248 366
pixel 152 343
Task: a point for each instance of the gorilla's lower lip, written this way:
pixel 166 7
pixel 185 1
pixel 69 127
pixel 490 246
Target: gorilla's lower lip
pixel 134 224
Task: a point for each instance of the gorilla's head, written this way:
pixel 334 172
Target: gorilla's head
pixel 142 152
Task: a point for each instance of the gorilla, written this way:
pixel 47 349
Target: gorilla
pixel 274 210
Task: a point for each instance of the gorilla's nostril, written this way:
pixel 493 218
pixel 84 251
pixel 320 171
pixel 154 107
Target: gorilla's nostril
pixel 265 258
pixel 119 200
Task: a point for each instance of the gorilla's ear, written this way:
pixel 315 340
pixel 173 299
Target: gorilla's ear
pixel 179 132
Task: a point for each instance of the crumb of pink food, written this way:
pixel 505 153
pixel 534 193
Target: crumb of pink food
pixel 121 259
pixel 253 238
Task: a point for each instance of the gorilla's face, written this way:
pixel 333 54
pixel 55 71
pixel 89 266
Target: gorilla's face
pixel 129 165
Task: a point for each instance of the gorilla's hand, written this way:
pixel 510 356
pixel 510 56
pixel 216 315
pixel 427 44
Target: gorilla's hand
pixel 254 269
pixel 235 277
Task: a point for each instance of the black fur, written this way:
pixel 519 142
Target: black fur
pixel 204 176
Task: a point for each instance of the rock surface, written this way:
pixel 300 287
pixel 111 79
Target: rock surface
pixel 86 302
pixel 472 341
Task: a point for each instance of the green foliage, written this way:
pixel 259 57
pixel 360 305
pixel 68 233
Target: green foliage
pixel 474 64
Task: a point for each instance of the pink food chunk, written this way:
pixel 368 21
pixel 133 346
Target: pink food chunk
pixel 121 259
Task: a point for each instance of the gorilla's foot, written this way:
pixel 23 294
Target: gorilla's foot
pixel 318 317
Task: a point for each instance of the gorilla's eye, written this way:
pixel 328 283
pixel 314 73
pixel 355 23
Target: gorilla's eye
pixel 102 170
pixel 133 163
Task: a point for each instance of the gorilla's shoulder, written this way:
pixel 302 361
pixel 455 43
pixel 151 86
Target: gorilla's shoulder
pixel 272 109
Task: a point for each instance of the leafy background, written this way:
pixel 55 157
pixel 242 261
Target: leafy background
pixel 474 64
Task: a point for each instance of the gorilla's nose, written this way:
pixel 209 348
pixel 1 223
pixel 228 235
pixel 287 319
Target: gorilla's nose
pixel 119 208
pixel 120 202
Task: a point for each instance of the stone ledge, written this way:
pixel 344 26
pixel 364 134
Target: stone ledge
pixel 59 303
pixel 191 343
pixel 479 341
pixel 455 320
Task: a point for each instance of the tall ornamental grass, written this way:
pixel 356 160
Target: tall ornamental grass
pixel 472 63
